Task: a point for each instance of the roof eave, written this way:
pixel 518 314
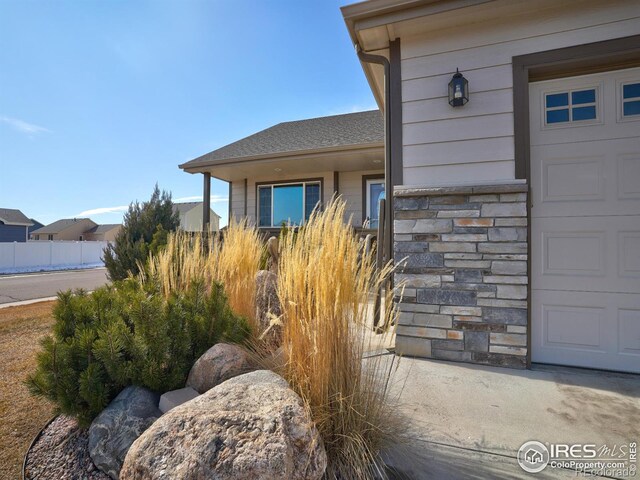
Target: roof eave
pixel 190 167
pixel 371 14
pixel 56 232
pixel 377 13
pixel 15 224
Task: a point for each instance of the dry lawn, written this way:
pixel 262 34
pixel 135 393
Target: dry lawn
pixel 21 415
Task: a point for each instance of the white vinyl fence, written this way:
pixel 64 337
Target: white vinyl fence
pixel 49 255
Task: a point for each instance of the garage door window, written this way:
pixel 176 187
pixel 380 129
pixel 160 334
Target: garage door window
pixel 571 106
pixel 631 99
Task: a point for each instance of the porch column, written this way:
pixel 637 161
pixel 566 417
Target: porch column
pixel 206 203
pixel 245 197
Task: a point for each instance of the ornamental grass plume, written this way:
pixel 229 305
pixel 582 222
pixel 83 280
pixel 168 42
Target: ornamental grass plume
pixel 231 260
pixel 177 265
pixel 325 284
pixel 234 260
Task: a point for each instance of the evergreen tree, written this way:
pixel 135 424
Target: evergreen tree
pixel 144 231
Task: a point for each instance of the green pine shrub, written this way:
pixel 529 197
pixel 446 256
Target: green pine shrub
pixel 128 333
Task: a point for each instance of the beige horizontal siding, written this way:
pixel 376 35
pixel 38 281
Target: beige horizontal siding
pixel 445 145
pixel 485 79
pixel 561 17
pixel 237 200
pixel 467 151
pixel 462 128
pixel 461 173
pixel 484 103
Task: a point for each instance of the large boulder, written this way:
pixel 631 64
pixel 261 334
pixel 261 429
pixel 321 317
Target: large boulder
pixel 268 307
pixel 250 427
pixel 221 362
pixel 119 425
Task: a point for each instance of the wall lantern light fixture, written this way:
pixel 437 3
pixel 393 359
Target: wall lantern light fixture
pixel 458 90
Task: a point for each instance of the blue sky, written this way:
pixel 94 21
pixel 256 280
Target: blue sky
pixel 99 100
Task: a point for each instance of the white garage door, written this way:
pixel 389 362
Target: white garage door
pixel 585 220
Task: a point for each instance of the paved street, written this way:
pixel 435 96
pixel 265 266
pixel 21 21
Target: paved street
pixel 15 288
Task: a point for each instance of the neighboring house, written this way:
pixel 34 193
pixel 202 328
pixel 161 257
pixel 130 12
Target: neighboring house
pixel 105 233
pixel 280 174
pixel 191 217
pixel 519 212
pixel 14 225
pixel 36 225
pixel 65 229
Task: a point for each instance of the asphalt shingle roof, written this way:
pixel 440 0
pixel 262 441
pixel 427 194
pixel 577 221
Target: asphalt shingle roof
pixel 184 207
pixel 361 128
pixel 104 228
pixel 11 216
pixel 60 225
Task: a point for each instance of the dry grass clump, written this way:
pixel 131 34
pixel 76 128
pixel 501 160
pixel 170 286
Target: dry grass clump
pixel 232 261
pixel 324 285
pixel 177 265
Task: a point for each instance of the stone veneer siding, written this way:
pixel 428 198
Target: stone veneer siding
pixel 462 257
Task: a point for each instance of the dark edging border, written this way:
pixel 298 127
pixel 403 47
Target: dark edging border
pixel 35 439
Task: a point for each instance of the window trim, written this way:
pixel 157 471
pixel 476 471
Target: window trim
pixel 570 106
pixel 318 180
pixel 620 83
pixel 365 179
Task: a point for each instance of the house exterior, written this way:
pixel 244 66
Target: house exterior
pixel 65 229
pixel 281 173
pixel 517 215
pixel 106 232
pixel 191 217
pixel 14 225
pixel 36 225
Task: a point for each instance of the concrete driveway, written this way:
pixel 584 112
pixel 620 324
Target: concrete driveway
pixel 469 421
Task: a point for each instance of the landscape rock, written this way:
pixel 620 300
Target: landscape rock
pixel 174 398
pixel 119 425
pixel 268 306
pixel 250 427
pixel 221 362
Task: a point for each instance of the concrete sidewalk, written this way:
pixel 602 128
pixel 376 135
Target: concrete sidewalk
pixel 469 421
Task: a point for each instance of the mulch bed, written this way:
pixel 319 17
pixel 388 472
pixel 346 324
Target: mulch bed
pixel 62 452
